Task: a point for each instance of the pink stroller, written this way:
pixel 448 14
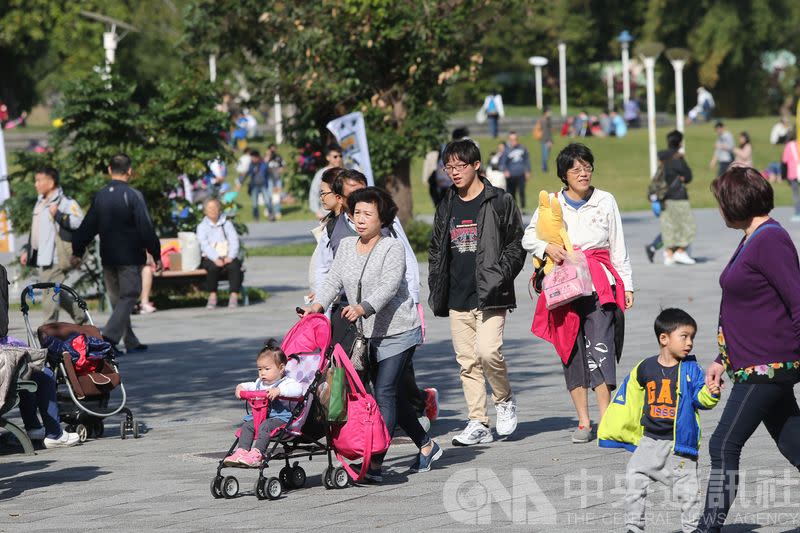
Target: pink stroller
pixel 307 347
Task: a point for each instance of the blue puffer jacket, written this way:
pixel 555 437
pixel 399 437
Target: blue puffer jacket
pixel 621 426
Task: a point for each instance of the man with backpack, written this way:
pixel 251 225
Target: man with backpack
pixel 492 110
pixel 119 215
pixel 474 256
pixel 55 217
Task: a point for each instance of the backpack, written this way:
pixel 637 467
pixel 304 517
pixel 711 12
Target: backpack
pixel 492 107
pixel 538 131
pixel 658 187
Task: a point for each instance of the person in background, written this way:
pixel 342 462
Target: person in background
pixel 440 182
pixel 275 185
pixel 632 113
pixel 678 226
pixel 243 164
pixel 55 217
pixel 516 165
pixel 493 172
pixel 219 244
pixel 723 149
pixel 119 215
pixel 779 133
pixel 493 110
pixel 257 177
pixel 333 158
pixel 743 153
pixel 148 271
pixel 547 136
pixel 790 171
pixel 618 125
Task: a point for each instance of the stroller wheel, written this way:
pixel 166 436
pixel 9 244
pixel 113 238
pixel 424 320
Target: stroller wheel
pixel 340 478
pixel 285 476
pixel 261 488
pixel 135 427
pixel 230 487
pixel 327 478
pixel 123 430
pixel 216 490
pixel 274 488
pixel 82 432
pixel 298 477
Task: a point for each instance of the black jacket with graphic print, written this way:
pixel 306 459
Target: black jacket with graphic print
pixel 500 256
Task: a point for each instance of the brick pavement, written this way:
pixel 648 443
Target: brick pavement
pixel 181 391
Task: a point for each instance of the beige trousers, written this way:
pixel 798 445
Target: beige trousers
pixel 478 341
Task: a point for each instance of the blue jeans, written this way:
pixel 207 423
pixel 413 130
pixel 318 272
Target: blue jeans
pixel 44 399
pixel 255 192
pixel 392 398
pixel 274 186
pixel 493 123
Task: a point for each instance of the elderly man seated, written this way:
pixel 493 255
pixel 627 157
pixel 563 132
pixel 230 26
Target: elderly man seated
pixel 219 245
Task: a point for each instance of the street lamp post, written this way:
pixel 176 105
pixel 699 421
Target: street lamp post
pixel 278 119
pixel 625 39
pixel 562 76
pixel 678 57
pixel 649 52
pixel 538 62
pixel 212 67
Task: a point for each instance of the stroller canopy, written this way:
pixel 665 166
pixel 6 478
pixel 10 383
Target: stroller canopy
pixel 311 334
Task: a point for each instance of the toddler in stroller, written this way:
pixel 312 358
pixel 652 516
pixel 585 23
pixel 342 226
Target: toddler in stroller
pixel 271 362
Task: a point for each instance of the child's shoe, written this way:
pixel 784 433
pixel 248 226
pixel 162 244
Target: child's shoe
pixel 251 458
pixel 233 459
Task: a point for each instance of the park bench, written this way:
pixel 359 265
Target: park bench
pixel 192 278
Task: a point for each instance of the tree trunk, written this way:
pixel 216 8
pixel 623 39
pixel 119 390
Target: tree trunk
pixel 398 183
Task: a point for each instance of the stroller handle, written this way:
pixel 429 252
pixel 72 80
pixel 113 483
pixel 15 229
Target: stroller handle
pixel 28 291
pixel 264 395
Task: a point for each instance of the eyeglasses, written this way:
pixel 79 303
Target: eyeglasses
pixel 582 168
pixel 324 194
pixel 455 168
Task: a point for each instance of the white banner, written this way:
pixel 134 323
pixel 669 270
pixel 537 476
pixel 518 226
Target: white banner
pixel 351 134
pixel 6 236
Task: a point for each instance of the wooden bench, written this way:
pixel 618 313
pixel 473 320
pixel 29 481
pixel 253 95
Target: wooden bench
pixel 196 278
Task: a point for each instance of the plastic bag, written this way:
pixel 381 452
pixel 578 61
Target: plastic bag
pixel 568 281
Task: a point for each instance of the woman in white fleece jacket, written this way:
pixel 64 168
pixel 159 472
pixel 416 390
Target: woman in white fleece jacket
pixel 594 225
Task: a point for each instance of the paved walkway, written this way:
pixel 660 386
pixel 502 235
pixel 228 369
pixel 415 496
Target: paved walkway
pixel 182 392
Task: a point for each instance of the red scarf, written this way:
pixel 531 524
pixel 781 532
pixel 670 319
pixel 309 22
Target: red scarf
pixel 560 326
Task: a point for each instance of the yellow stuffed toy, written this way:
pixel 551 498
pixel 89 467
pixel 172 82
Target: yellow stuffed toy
pixel 550 228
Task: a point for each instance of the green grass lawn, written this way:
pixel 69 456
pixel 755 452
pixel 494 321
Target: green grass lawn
pixel 622 165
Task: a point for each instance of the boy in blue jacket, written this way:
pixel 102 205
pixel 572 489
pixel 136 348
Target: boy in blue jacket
pixel 655 415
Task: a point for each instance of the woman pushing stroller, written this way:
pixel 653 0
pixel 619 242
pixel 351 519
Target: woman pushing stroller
pixel 371 270
pixel 271 362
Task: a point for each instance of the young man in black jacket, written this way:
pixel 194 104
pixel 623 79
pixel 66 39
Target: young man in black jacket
pixel 119 214
pixel 474 256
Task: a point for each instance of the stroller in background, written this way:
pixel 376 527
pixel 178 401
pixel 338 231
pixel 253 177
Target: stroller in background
pixel 84 406
pixel 307 345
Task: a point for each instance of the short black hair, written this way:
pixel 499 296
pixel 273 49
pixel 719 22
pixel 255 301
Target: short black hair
pixel 567 157
pixel 49 171
pixel 254 153
pixel 272 350
pixel 460 133
pixel 347 174
pixel 330 175
pixel 464 150
pixel 674 139
pixel 120 164
pixel 387 209
pixel 671 319
pixel 719 124
pixel 746 137
pixel 742 193
pixel 333 148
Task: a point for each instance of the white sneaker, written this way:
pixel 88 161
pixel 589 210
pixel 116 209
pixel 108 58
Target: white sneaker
pixel 425 423
pixel 36 434
pixel 506 417
pixel 64 441
pixel 669 260
pixel 683 258
pixel 474 433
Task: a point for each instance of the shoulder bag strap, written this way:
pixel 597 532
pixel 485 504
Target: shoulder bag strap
pixel 361 277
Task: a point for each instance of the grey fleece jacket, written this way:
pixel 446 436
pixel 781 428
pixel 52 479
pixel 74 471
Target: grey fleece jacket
pixel 384 292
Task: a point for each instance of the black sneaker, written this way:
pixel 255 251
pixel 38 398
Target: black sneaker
pixel 137 349
pixel 650 250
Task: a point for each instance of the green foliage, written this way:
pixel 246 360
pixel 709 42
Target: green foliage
pixel 177 133
pixel 419 235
